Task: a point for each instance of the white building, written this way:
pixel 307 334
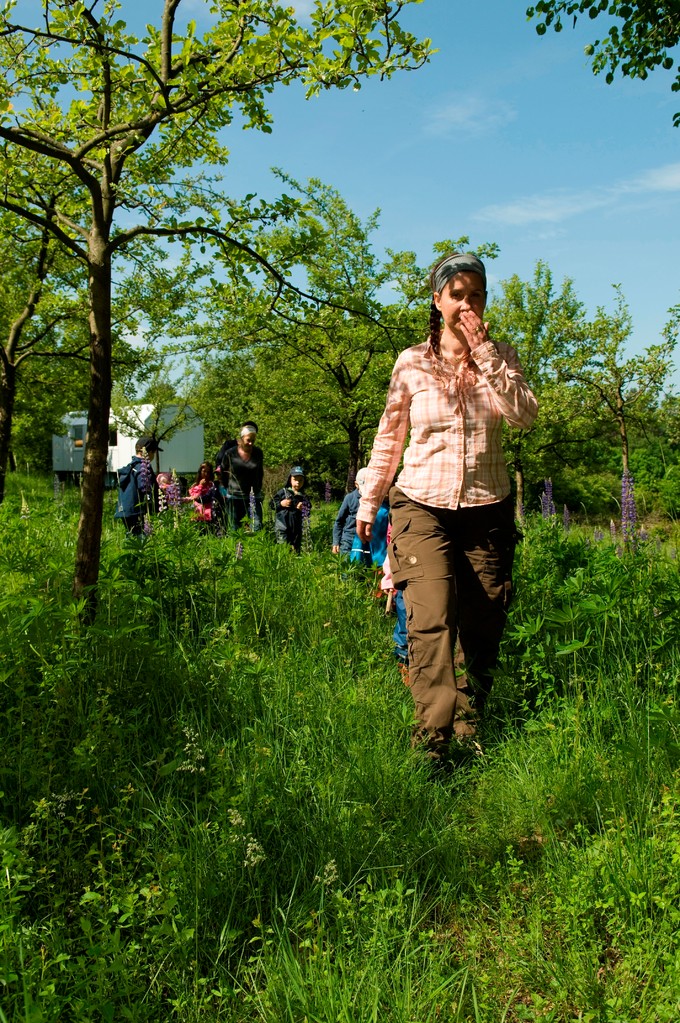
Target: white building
pixel 183 451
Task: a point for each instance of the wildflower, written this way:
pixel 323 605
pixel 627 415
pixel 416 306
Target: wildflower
pixel 328 492
pixel 173 493
pixel 598 535
pixel 252 510
pixel 306 531
pixel 145 475
pixel 612 530
pixel 239 551
pixel 193 752
pixel 235 819
pixel 329 876
pixel 147 526
pixel 162 501
pixel 25 510
pixel 547 504
pixel 254 853
pixel 628 509
pixel 565 518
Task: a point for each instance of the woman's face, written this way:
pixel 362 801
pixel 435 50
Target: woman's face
pixel 463 291
pixel 247 441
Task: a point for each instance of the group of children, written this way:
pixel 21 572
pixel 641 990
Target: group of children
pixel 141 492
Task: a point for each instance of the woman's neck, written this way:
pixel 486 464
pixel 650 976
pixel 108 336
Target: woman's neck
pixel 452 347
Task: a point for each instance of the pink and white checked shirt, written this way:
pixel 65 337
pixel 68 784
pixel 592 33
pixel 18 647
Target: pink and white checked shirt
pixel 454 457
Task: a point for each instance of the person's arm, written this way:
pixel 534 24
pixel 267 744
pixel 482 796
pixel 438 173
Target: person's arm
pixel 512 395
pixel 501 369
pixel 387 446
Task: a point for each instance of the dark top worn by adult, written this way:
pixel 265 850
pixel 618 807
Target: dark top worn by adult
pixel 243 475
pixel 345 525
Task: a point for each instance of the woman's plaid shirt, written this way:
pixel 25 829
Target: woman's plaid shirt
pixel 454 457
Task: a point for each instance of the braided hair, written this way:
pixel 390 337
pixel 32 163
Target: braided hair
pixel 435 329
pixel 435 315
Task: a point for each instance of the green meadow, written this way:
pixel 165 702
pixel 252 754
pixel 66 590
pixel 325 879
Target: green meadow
pixel 211 810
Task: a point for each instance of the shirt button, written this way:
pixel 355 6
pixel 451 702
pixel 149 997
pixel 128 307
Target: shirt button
pixel 412 559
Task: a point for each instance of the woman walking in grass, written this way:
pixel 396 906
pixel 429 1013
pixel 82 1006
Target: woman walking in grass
pixel 242 475
pixel 453 532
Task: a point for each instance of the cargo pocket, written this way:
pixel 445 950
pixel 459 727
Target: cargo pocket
pixel 405 566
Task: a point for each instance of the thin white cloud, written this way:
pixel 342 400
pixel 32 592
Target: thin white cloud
pixel 558 205
pixel 470 114
pixel 661 179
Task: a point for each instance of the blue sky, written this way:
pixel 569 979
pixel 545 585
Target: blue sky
pixel 505 136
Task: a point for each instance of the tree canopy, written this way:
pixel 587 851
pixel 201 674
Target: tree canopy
pixel 639 41
pixel 120 119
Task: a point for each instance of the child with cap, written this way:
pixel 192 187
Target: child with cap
pixel 292 506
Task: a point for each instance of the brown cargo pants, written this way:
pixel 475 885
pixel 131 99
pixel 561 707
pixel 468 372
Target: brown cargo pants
pixel 455 567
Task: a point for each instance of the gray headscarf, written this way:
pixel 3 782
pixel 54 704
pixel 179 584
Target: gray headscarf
pixel 454 264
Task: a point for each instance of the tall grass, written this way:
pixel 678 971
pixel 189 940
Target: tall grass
pixel 210 810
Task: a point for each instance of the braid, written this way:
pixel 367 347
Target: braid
pixel 435 327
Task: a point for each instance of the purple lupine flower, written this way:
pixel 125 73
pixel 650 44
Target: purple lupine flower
pixel 628 509
pixel 145 475
pixel 252 510
pixel 547 503
pixel 598 535
pixel 306 511
pixel 173 493
pixel 328 492
pixel 612 530
pixel 643 535
pixel 565 518
pixel 147 527
pixel 239 551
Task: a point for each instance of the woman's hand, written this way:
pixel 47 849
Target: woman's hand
pixel 285 503
pixel 364 531
pixel 476 332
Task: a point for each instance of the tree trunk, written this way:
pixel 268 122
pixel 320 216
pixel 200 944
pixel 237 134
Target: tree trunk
pixel 623 433
pixel 88 547
pixel 7 395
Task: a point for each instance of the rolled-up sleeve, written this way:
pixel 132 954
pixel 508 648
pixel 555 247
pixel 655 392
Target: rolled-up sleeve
pixel 512 395
pixel 389 443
